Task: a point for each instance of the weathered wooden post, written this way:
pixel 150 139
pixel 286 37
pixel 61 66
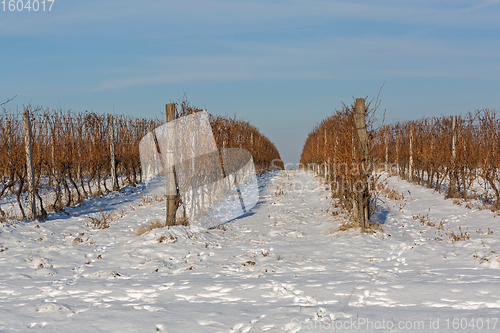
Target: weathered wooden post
pixel 327 170
pixel 386 142
pixel 170 172
pixel 53 150
pixel 410 163
pixel 325 163
pixel 397 154
pixel 111 127
pixel 464 147
pixel 316 166
pixel 335 156
pixel 79 166
pixel 364 195
pixel 453 173
pixel 9 153
pixel 29 163
pixel 9 145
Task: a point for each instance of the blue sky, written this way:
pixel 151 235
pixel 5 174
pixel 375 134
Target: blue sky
pixel 283 65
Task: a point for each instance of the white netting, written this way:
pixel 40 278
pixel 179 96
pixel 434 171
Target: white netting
pixel 212 192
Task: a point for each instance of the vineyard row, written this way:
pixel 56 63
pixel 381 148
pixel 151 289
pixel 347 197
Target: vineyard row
pixel 451 153
pixel 458 151
pixel 78 154
pixel 336 149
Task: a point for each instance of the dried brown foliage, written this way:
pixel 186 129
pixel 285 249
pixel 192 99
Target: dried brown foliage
pixel 233 133
pixel 148 227
pixel 71 153
pixel 332 149
pixel 476 157
pixel 230 132
pixel 102 220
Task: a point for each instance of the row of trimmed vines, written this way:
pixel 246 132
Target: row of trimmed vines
pixel 71 156
pixel 445 152
pixel 71 153
pixel 230 132
pixel 332 149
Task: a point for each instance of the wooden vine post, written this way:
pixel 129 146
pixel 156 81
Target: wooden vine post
pixel 114 177
pixel 170 172
pixel 79 167
pixel 363 196
pixel 9 147
pixel 53 150
pixel 316 165
pixel 397 153
pixel 326 162
pixel 29 164
pixel 410 163
pixel 386 143
pixel 453 175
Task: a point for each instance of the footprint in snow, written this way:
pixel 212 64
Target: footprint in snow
pixel 52 307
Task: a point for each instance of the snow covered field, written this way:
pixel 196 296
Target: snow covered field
pixel 278 268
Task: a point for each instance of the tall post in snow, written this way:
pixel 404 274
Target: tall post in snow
pixel 453 174
pixel 410 163
pixel 363 201
pixel 326 164
pixel 170 172
pixel 386 142
pixel 114 178
pixel 29 163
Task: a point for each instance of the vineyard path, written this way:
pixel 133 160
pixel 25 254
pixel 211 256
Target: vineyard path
pixel 279 267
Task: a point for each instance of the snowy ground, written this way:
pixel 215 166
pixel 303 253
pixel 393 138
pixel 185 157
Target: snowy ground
pixel 275 269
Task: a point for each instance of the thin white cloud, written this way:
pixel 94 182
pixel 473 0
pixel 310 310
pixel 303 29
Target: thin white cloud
pixel 223 16
pixel 332 58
